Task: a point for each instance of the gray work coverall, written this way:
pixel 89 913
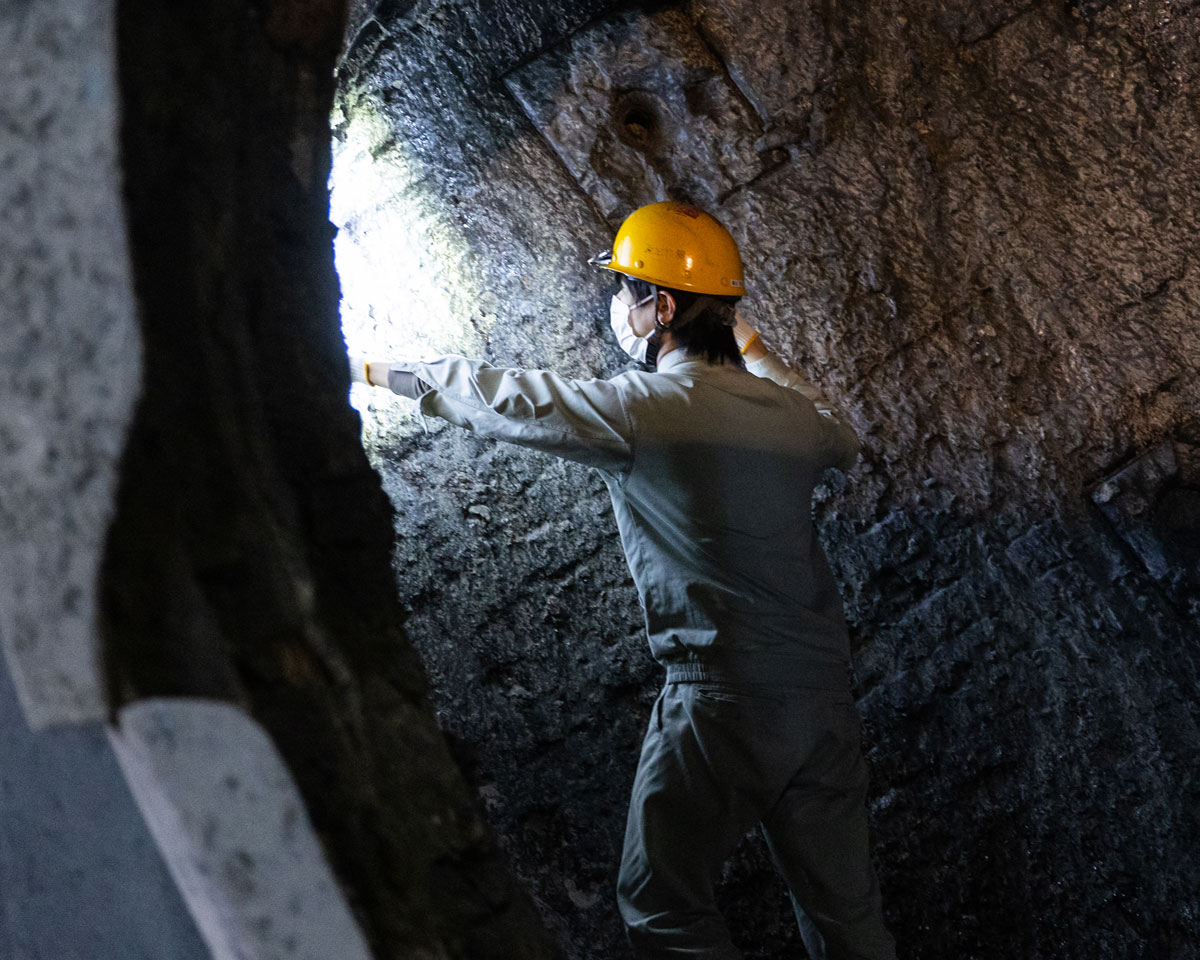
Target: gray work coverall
pixel 711 471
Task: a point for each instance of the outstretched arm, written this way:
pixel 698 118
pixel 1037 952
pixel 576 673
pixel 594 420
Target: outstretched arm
pixel 580 420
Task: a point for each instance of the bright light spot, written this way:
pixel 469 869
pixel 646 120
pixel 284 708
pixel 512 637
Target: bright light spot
pixel 400 264
pixel 624 254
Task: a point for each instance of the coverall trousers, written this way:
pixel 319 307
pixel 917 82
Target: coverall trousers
pixel 716 761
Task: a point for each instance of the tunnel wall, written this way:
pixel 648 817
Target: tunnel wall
pixel 80 876
pixel 194 549
pixel 250 624
pixel 973 225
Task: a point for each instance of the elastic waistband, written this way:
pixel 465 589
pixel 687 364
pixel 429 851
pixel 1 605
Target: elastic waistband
pixel 762 670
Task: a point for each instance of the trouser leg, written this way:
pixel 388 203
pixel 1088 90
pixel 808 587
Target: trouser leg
pixel 716 762
pixel 817 835
pixel 686 816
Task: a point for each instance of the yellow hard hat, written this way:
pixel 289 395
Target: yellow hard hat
pixel 673 245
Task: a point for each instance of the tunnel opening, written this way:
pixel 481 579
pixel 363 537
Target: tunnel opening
pixel 403 270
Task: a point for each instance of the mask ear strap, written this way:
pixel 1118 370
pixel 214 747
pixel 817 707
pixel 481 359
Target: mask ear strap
pixel 701 304
pixel 653 342
pixel 661 327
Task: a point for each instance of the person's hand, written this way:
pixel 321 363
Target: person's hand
pixel 748 340
pixel 374 373
pixel 359 369
pixel 379 373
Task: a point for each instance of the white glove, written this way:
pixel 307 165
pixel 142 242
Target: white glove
pixel 745 335
pixel 358 370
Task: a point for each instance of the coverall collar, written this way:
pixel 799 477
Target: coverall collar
pixel 679 358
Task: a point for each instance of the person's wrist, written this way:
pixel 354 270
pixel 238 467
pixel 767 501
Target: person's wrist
pixel 407 384
pixel 377 372
pixel 749 343
pixel 743 333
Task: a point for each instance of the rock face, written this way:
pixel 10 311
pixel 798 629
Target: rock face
pixel 974 225
pixel 67 301
pixel 79 873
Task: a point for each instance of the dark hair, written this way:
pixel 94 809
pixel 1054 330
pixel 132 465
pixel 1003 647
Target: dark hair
pixel 707 334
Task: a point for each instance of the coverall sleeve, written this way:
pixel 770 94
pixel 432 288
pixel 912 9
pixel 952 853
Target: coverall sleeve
pixel 771 367
pixel 581 420
pixel 840 441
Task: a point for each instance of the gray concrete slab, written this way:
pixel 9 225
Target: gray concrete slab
pixel 80 876
pixel 232 825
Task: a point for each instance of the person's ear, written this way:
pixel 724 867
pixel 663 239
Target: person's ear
pixel 666 307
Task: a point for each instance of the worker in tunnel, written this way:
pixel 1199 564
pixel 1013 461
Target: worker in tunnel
pixel 710 457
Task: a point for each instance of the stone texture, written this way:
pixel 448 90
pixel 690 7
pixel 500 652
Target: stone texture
pixel 973 224
pixel 1154 507
pixel 70 355
pixel 638 106
pixel 208 541
pixel 228 817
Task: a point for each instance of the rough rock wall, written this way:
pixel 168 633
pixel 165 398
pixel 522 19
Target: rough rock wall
pixel 517 597
pixel 67 304
pixel 249 612
pixel 79 873
pixel 973 224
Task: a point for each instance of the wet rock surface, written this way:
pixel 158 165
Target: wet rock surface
pixel 974 226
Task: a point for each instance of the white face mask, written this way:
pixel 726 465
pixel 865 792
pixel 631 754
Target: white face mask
pixel 631 343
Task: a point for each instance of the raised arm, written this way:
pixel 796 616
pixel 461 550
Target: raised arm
pixel 763 363
pixel 843 443
pixel 580 420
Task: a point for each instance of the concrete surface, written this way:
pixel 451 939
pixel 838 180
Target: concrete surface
pixel 80 875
